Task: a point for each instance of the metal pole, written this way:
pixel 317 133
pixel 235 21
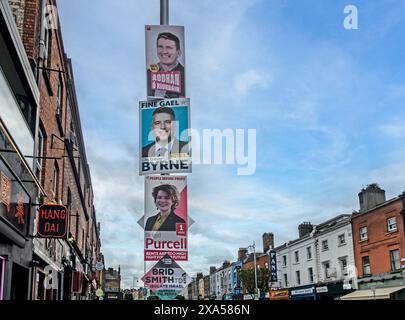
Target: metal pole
pixel 164 12
pixel 144 272
pixel 254 261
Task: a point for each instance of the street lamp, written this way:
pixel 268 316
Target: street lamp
pixel 254 263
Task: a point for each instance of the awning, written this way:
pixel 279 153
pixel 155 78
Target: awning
pixel 367 294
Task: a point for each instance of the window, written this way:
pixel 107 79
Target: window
pixel 296 257
pixel 326 266
pixel 297 273
pixel 69 200
pixel 392 224
pixel 73 138
pixel 285 280
pixel 56 182
pixel 366 265
pixel 363 233
pixel 309 253
pixel 48 47
pixel 395 261
pixel 310 275
pixel 343 265
pixel 325 245
pixel 40 153
pixel 341 240
pixel 284 261
pixel 89 197
pixel 59 97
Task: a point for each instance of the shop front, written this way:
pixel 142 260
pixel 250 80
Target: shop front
pixel 303 293
pixel 15 241
pixel 280 294
pixel 332 291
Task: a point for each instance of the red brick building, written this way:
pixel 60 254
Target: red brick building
pixel 61 164
pixel 261 259
pixel 379 239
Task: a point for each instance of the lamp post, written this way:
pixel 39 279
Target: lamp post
pixel 254 263
pixel 164 12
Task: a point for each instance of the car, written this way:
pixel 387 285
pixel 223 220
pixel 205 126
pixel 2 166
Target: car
pixel 153 298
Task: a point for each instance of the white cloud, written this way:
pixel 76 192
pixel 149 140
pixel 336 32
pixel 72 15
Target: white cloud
pixel 250 79
pixel 394 130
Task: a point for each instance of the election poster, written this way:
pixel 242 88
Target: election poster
pixel 164 137
pixel 165 61
pixel 166 279
pixel 166 218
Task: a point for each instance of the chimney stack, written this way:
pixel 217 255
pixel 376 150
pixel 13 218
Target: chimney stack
pixel 212 270
pixel 371 196
pixel 268 242
pixel 242 253
pixel 304 229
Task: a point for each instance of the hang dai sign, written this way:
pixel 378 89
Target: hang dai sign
pixel 52 221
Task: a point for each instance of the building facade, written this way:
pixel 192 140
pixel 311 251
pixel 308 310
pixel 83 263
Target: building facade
pixel 379 241
pixel 111 284
pixel 317 265
pixel 20 189
pixel 60 163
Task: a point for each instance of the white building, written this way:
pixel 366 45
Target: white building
pixel 322 254
pixel 221 280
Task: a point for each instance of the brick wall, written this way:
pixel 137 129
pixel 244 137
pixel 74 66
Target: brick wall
pixel 380 241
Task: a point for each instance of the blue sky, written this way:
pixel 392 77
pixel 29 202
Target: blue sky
pixel 327 104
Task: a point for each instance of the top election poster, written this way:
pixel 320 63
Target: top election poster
pixel 165 61
pixel 164 136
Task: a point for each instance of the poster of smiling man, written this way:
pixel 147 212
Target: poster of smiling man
pixel 164 145
pixel 165 61
pixel 166 217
